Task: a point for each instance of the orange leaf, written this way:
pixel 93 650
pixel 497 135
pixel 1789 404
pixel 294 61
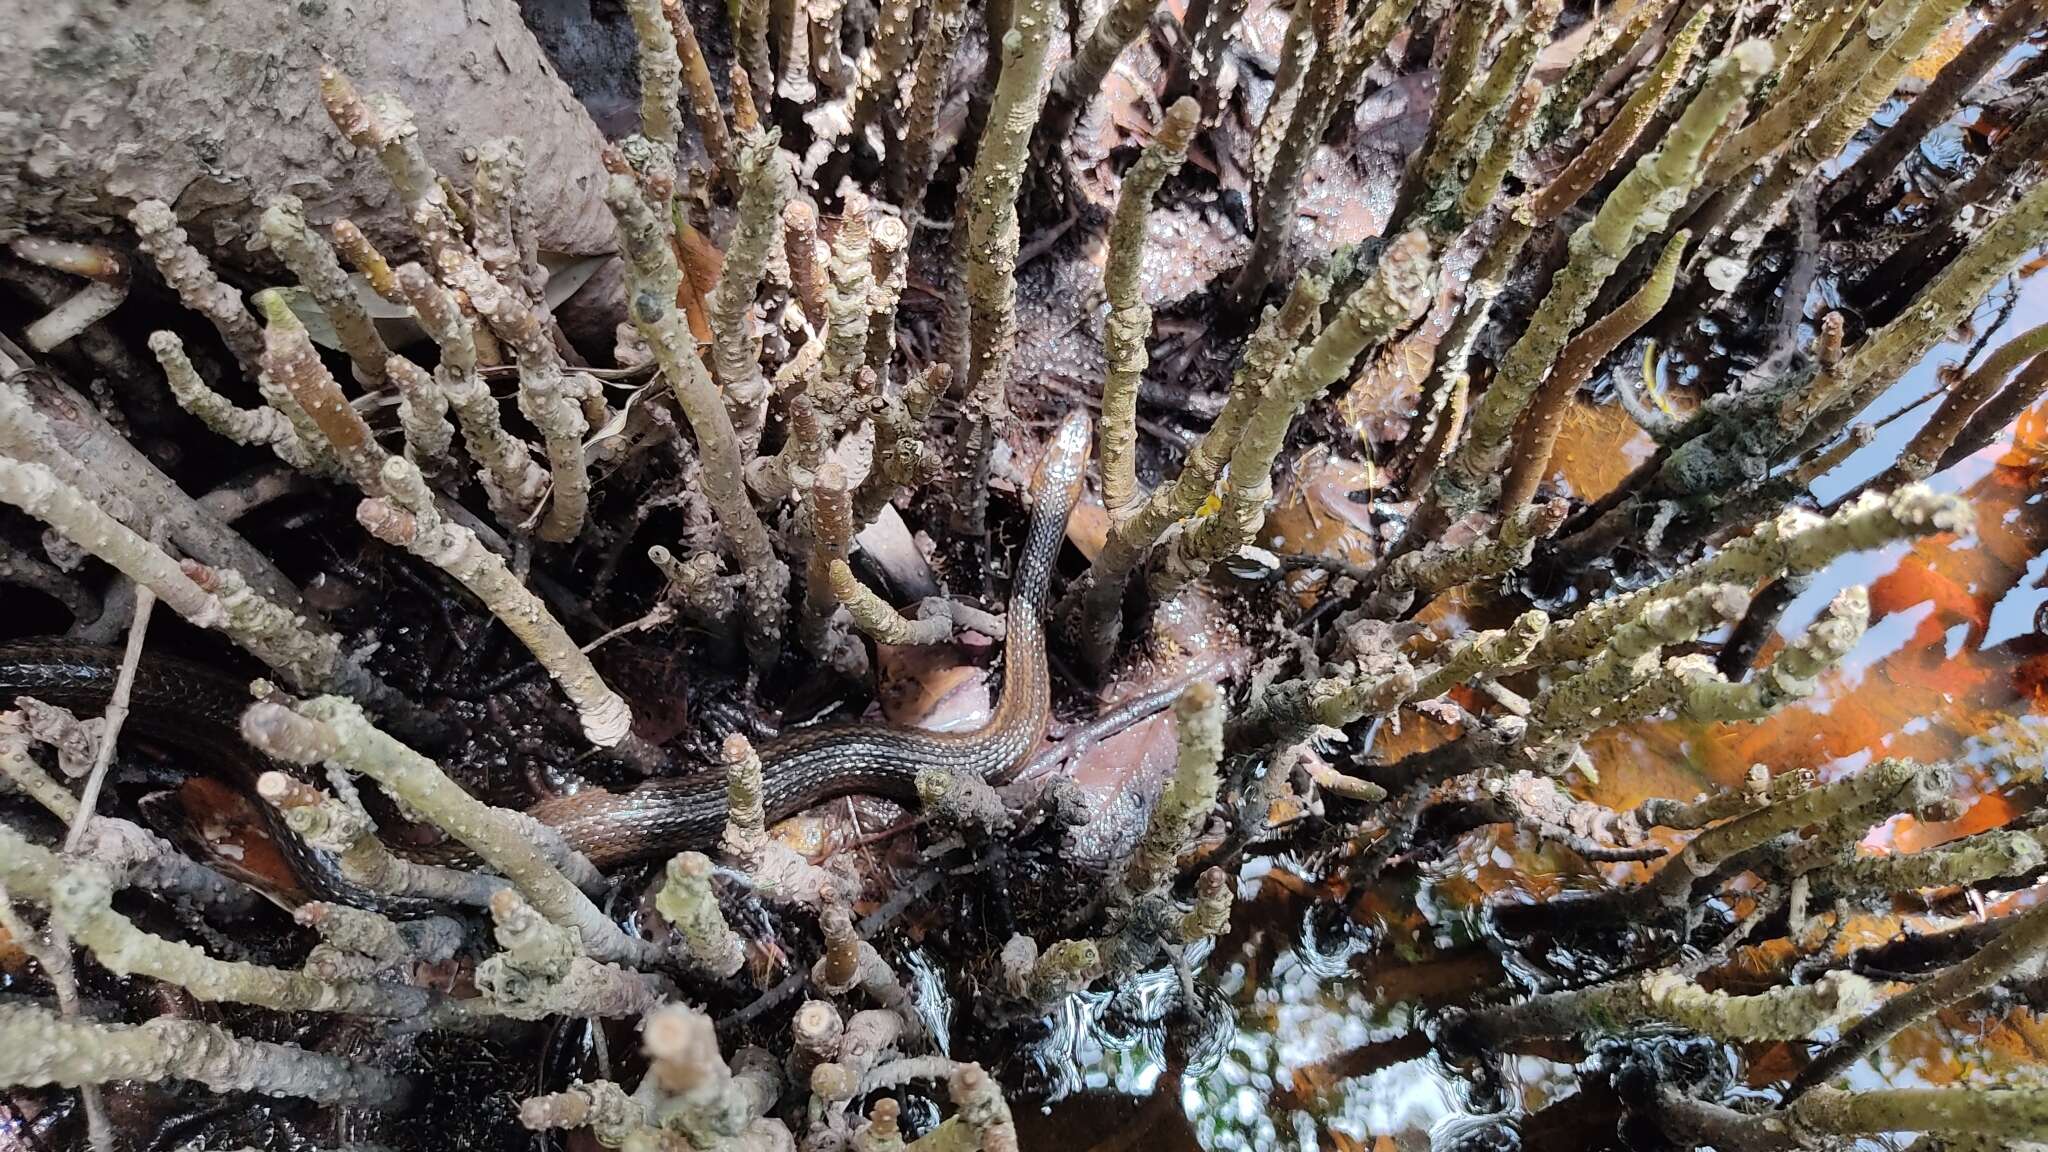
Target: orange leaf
pixel 1597 448
pixel 237 837
pixel 1941 50
pixel 1917 580
pixel 701 261
pixel 2029 449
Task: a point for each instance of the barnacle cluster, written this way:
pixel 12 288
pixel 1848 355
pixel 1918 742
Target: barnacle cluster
pixel 779 411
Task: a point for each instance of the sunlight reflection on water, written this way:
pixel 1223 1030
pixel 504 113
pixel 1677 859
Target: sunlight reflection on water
pixel 1325 1045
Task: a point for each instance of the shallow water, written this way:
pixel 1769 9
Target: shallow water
pixel 1318 1035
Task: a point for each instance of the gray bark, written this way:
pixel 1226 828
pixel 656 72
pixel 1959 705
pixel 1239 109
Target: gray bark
pixel 212 106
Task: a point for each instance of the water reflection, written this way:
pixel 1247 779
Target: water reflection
pixel 1312 1035
pixel 1319 1034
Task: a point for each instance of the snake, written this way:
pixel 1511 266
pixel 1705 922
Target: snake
pixel 196 710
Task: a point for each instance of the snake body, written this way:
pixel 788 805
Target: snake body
pixel 190 707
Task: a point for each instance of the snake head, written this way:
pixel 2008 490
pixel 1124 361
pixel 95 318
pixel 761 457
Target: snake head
pixel 1065 460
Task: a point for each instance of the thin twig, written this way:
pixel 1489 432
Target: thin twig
pixel 56 960
pixel 656 616
pixel 116 715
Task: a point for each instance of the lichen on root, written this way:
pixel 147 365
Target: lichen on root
pixel 814 370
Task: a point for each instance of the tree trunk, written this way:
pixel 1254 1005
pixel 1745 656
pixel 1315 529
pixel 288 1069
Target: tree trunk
pixel 211 107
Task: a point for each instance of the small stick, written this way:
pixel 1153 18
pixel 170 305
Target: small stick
pixel 800 247
pixel 116 715
pixel 366 260
pixel 652 279
pixel 910 161
pixel 192 278
pixel 750 45
pixel 1129 323
pixel 703 97
pixel 882 65
pixel 1535 437
pixel 42 1048
pixel 765 187
pixel 312 262
pixel 1596 159
pixel 265 425
pixel 405 515
pixel 986 242
pixel 661 70
pixel 1076 82
pixel 691 905
pixel 106 286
